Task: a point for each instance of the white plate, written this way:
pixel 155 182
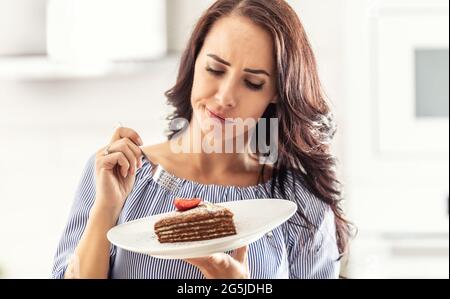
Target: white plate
pixel 253 218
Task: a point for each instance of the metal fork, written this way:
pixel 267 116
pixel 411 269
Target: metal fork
pixel 162 177
pixel 165 179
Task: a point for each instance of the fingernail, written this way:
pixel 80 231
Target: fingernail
pixel 140 141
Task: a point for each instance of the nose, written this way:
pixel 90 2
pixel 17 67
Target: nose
pixel 226 95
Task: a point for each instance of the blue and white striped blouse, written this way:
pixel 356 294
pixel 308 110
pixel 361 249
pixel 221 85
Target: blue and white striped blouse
pixel 289 251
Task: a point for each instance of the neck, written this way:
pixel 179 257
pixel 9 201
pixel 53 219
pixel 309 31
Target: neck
pixel 213 162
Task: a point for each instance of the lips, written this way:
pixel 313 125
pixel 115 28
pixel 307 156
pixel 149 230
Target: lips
pixel 216 115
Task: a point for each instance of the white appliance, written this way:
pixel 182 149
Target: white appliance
pixel 396 137
pixel 106 30
pixel 22 27
pixel 411 78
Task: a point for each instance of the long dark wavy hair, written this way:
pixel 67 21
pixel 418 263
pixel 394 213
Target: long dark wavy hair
pixel 306 125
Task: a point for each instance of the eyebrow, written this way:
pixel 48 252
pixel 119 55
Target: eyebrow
pixel 253 71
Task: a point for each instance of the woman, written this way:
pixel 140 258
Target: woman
pixel 246 59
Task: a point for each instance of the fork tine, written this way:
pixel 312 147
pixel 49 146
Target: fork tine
pixel 166 179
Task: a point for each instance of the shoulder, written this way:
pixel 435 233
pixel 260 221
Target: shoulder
pixel 309 204
pixel 158 153
pixel 314 222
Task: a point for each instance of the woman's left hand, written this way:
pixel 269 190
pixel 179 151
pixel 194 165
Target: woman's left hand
pixel 223 266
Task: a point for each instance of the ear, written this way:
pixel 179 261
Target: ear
pixel 274 101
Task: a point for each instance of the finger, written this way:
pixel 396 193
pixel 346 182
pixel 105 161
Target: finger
pixel 214 260
pixel 136 151
pixel 123 146
pixel 123 132
pixel 240 254
pixel 217 260
pixel 198 261
pixel 118 158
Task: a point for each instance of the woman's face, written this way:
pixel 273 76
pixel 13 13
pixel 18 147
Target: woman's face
pixel 234 73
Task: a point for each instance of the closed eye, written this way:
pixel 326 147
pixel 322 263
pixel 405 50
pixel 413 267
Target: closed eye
pixel 214 72
pixel 249 84
pixel 253 86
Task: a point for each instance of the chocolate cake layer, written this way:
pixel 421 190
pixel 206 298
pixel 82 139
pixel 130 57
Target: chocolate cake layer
pixel 197 230
pixel 207 221
pixel 202 212
pixel 215 221
pixel 196 238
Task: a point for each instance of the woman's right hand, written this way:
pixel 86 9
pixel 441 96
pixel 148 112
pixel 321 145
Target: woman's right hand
pixel 115 172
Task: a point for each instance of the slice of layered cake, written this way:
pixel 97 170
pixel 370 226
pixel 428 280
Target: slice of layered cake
pixel 195 220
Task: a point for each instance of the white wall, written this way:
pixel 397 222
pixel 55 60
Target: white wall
pixel 49 130
pixel 182 16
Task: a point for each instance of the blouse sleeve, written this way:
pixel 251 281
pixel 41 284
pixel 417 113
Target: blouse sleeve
pixel 78 216
pixel 312 252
